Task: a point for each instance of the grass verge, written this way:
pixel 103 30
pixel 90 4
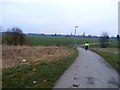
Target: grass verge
pixel 110 55
pixel 41 75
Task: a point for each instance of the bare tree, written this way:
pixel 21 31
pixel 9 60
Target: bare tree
pixel 104 39
pixel 14 36
pixel 118 37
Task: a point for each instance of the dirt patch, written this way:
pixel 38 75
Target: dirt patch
pixel 19 55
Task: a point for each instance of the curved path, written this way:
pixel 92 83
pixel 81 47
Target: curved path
pixel 88 71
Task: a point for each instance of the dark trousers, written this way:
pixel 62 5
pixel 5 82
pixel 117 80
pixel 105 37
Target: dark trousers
pixel 86 47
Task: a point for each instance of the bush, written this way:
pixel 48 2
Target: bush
pixel 14 36
pixel 118 37
pixel 104 39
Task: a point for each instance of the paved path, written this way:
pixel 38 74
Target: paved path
pixel 88 71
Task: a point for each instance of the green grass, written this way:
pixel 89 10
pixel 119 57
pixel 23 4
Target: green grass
pixel 45 74
pixel 55 40
pixel 113 44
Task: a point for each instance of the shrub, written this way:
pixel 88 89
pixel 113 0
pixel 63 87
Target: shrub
pixel 14 36
pixel 104 39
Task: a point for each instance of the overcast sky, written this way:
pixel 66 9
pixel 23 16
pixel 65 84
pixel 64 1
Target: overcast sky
pixel 61 16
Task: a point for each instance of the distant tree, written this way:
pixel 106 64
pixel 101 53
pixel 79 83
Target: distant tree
pixel 104 39
pixel 14 36
pixel 1 30
pixel 55 34
pixel 71 35
pixel 89 36
pixel 95 36
pixel 83 34
pixel 118 37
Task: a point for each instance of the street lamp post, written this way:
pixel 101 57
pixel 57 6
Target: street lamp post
pixel 75 36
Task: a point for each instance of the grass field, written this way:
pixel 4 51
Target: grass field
pixel 54 40
pixel 42 74
pixel 113 44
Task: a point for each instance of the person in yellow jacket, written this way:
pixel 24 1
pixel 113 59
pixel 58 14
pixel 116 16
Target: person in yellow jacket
pixel 86 45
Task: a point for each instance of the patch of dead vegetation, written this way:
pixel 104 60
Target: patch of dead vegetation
pixel 13 55
pixel 113 50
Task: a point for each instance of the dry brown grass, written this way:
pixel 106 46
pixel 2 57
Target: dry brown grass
pixel 113 50
pixel 13 55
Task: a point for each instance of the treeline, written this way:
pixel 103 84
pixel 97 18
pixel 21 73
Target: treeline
pixel 60 35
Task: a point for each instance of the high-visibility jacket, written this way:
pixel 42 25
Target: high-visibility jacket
pixel 87 44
